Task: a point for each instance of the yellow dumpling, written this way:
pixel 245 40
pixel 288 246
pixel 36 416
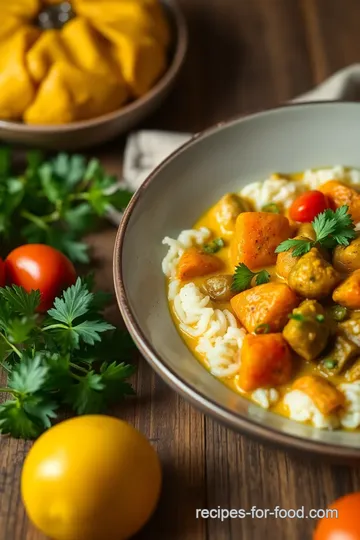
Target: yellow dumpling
pixel 88 50
pixel 26 9
pixel 17 90
pixel 45 52
pixel 69 94
pixel 9 25
pixel 142 60
pixel 135 17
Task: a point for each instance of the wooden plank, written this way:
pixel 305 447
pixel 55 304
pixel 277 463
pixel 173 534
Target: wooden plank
pixel 332 34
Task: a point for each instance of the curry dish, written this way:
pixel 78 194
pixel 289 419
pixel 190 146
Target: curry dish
pixel 268 298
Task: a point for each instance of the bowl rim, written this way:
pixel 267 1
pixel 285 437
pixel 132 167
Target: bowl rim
pixel 178 58
pixel 236 422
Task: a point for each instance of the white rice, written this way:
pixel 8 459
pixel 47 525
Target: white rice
pixel 284 192
pixel 350 418
pixel 265 397
pixel 186 239
pixel 220 338
pixel 315 178
pixel 273 190
pixel 302 409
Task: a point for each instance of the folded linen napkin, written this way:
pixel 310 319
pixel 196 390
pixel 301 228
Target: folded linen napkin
pixel 145 149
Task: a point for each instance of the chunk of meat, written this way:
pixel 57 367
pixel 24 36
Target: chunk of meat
pixel 354 372
pixel 286 261
pixel 306 230
pixel 269 304
pixel 341 194
pixel 325 396
pixel 312 276
pixel 347 258
pixel 347 294
pixel 257 235
pixel 194 263
pixel 338 357
pixel 351 328
pixel 308 333
pixel 227 210
pixel 265 361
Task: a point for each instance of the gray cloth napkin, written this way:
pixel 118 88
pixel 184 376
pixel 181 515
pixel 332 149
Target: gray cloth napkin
pixel 145 149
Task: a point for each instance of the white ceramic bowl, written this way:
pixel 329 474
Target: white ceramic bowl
pixel 224 158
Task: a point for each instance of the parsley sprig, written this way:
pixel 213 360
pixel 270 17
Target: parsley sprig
pixel 243 278
pixel 55 201
pixel 71 357
pixel 331 229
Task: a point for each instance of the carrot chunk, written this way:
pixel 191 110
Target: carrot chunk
pixel 265 361
pixel 326 397
pixel 269 304
pixel 347 293
pixel 341 194
pixel 194 263
pixel 257 234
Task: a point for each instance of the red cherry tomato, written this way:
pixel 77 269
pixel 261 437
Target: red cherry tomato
pixel 344 526
pixel 2 273
pixel 37 266
pixel 308 205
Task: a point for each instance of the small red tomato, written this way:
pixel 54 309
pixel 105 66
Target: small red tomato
pixel 343 523
pixel 308 205
pixel 2 273
pixel 37 266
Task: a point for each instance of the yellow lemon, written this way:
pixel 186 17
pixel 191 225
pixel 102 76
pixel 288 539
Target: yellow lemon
pixel 91 478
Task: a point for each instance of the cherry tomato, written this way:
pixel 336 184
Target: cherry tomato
pixel 37 266
pixel 2 273
pixel 344 526
pixel 308 205
pixel 91 478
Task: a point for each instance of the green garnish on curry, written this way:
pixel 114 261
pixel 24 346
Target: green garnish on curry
pixel 331 229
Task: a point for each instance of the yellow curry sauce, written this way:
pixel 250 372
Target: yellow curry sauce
pixel 301 367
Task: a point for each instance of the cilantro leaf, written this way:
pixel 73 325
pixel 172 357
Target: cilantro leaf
pixel 19 330
pixel 113 377
pixel 74 303
pixel 89 331
pixel 15 421
pixel 298 247
pixel 262 277
pixel 243 278
pixel 20 301
pixel 28 376
pixel 331 229
pixel 86 397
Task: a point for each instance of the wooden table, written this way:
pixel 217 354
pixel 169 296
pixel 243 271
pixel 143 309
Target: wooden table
pixel 244 55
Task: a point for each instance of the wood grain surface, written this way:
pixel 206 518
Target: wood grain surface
pixel 244 55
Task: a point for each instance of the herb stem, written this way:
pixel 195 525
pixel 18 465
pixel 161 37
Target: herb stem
pixel 15 349
pixel 80 368
pixel 54 326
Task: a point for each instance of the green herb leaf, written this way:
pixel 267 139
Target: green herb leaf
pixel 271 207
pixel 331 229
pixel 262 277
pixel 298 247
pixel 89 331
pixel 20 301
pixel 28 376
pixel 15 421
pixel 86 397
pixel 262 328
pixel 214 246
pixel 243 277
pixel 74 303
pixel 297 317
pixel 329 363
